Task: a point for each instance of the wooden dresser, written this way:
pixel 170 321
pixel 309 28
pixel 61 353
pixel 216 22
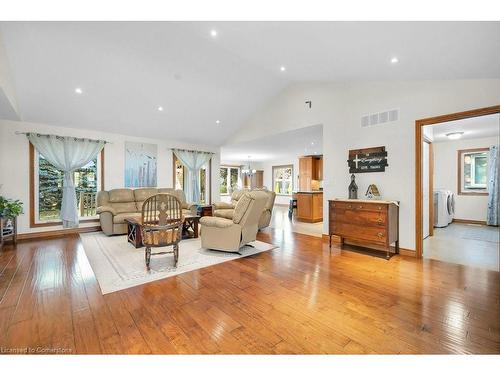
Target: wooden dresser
pixel 371 223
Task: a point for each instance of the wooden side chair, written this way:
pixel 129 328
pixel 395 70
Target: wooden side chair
pixel 162 221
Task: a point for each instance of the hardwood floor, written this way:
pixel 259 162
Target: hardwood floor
pixel 300 298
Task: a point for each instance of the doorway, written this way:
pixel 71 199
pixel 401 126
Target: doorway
pixel 452 188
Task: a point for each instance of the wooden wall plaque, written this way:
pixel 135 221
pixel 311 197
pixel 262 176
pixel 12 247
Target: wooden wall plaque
pixel 367 160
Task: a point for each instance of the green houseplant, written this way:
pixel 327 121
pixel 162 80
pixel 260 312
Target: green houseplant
pixel 10 207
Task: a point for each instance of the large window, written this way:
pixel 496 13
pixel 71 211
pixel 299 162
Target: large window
pixel 181 175
pixel 283 179
pixel 47 182
pixel 473 171
pixel 230 179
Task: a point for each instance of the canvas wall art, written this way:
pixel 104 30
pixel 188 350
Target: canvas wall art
pixel 140 164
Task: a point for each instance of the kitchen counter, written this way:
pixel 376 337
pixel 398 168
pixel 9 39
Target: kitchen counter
pixel 309 206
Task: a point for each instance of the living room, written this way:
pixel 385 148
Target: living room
pixel 232 187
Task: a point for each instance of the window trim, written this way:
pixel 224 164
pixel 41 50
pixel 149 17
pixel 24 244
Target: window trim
pixel 33 222
pixel 174 176
pixel 293 175
pixel 461 153
pixel 240 179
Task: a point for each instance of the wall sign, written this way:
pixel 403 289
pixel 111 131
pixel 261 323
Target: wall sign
pixel 367 160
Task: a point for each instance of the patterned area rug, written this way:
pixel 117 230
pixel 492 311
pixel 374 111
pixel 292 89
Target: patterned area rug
pixel 118 265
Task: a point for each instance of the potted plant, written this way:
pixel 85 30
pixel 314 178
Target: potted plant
pixel 10 209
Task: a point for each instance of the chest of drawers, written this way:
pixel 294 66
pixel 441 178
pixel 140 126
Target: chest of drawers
pixel 369 223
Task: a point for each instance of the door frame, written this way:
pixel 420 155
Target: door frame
pixel 431 186
pixel 418 162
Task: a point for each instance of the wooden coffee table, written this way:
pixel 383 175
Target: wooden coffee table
pixel 190 226
pixel 134 232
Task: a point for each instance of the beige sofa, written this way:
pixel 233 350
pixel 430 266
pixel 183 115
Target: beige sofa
pixel 226 210
pixel 218 233
pixel 114 206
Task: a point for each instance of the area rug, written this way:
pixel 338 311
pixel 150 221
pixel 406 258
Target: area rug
pixel 119 265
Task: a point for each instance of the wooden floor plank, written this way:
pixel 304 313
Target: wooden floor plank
pixel 299 298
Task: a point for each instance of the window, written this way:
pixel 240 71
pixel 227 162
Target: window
pixel 181 175
pixel 47 181
pixel 229 179
pixel 473 171
pixel 283 179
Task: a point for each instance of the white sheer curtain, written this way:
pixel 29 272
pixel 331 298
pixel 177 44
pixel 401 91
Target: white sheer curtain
pixel 493 188
pixel 66 154
pixel 193 161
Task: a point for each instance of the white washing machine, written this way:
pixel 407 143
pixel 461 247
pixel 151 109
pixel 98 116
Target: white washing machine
pixel 444 206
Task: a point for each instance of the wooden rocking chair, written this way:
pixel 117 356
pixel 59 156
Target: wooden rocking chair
pixel 161 225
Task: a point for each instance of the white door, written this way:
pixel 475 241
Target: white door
pixel 425 189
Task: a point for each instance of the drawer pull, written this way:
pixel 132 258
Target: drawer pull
pixel 379 207
pixel 380 234
pixel 379 220
pixel 360 207
pixel 349 206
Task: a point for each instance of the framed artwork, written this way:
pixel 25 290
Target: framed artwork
pixel 140 164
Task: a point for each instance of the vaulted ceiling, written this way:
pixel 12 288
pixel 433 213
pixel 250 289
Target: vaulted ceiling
pixel 127 70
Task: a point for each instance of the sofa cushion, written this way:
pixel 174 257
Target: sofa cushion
pixel 241 208
pixel 225 213
pixel 124 207
pixel 215 222
pixel 120 218
pixel 179 194
pixel 121 195
pixel 140 195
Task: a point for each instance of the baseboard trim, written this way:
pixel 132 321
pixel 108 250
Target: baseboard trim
pixel 56 233
pixel 336 240
pixel 466 221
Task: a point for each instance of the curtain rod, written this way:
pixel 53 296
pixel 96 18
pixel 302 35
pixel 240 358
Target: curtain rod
pixel 183 149
pixel 48 135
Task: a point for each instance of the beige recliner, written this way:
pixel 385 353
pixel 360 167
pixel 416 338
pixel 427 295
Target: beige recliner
pixel 218 233
pixel 226 210
pixel 114 206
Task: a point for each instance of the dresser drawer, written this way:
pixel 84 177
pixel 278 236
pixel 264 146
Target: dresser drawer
pixel 353 231
pixel 359 217
pixel 359 206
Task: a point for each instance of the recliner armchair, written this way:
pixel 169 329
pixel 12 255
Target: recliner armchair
pixel 218 233
pixel 226 210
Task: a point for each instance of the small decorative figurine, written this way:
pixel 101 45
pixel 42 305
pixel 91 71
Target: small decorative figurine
pixel 372 192
pixel 353 188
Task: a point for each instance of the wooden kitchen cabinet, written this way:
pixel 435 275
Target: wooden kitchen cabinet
pixel 309 206
pixel 310 168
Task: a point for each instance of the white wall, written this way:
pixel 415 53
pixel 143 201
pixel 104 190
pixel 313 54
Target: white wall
pixel 8 102
pixel 445 176
pixel 339 108
pixel 14 161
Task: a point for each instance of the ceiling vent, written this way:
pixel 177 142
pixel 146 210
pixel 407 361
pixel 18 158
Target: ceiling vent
pixel 379 118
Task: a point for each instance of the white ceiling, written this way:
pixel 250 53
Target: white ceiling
pixel 128 69
pixel 474 127
pixel 281 146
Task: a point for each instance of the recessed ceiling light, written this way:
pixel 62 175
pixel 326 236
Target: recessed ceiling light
pixel 283 68
pixel 312 143
pixel 394 60
pixel 160 108
pixel 78 90
pixel 455 135
pixel 213 33
pixel 217 122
